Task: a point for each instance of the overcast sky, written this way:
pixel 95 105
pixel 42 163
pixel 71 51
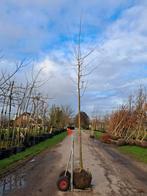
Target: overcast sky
pixel 45 32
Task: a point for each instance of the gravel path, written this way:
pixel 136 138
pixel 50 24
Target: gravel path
pixel 113 173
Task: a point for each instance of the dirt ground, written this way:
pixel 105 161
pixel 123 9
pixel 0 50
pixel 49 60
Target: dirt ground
pixel 113 173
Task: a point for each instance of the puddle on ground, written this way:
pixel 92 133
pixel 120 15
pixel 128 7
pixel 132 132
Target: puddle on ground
pixel 12 182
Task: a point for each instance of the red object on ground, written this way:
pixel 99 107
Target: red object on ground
pixel 63 183
pixel 69 131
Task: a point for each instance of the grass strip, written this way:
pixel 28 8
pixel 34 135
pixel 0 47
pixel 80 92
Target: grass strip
pixel 30 152
pixel 136 152
pixel 98 134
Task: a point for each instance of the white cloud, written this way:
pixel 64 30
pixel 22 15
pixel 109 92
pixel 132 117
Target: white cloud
pixel 122 60
pixel 36 27
pixel 28 27
pixel 48 67
pixel 59 84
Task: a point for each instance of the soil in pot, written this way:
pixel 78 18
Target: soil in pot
pixel 82 178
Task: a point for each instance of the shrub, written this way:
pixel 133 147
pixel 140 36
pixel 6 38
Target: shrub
pixel 106 138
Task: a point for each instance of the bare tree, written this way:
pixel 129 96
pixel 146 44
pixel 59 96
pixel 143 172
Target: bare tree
pixel 129 122
pixel 60 116
pixel 82 70
pixel 22 108
pixel 4 77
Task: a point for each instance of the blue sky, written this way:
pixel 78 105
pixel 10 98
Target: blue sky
pixel 46 31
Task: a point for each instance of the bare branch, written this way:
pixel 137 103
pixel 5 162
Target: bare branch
pixel 19 66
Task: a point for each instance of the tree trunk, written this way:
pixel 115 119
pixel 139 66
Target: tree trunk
pixel 79 118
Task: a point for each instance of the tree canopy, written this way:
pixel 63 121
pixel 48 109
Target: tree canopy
pixel 84 120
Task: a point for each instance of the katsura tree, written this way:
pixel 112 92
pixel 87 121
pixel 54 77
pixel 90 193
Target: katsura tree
pixel 84 67
pixel 82 178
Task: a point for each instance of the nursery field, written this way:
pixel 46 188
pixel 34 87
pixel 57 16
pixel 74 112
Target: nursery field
pixel 113 173
pixel 18 158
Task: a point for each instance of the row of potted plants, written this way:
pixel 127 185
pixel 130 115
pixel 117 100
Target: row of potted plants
pixel 28 142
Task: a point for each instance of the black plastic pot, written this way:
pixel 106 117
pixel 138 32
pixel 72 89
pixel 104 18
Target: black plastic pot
pixel 20 149
pixel 8 152
pixel 45 135
pixel 56 132
pixel 53 134
pixel 50 135
pixel 63 130
pixel 5 153
pixel 28 141
pixel 42 138
pixel 37 139
pixel 32 143
pixel 13 150
pixel 27 144
pixel 2 154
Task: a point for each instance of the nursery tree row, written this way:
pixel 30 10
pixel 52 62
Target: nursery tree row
pixel 25 112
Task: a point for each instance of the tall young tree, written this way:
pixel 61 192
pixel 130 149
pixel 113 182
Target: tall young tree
pixel 82 68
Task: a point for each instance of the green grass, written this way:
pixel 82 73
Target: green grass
pixel 136 152
pixel 30 152
pixel 98 134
